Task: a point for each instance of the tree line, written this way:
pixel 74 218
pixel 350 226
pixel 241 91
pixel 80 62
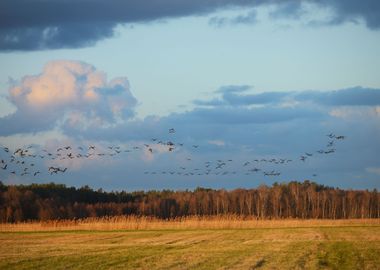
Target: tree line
pixel 286 200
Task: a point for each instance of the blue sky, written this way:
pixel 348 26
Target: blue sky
pixel 244 81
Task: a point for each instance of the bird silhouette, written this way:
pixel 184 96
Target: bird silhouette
pixel 22 159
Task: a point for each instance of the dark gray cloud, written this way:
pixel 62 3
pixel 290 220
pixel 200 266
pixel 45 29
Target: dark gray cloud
pixel 232 95
pixel 262 98
pixel 18 123
pixel 350 10
pixel 68 35
pixel 236 96
pixel 36 25
pixel 356 96
pixel 231 116
pixel 213 102
pixel 230 123
pixel 42 24
pixel 288 9
pixel 233 89
pixel 249 18
pixel 342 11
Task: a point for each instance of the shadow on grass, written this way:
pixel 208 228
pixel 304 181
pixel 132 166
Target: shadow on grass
pixel 258 264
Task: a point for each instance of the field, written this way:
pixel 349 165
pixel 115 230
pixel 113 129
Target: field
pixel 194 243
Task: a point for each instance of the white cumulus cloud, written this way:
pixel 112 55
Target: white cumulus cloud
pixel 71 94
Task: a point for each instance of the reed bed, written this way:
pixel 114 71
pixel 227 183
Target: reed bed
pixel 186 223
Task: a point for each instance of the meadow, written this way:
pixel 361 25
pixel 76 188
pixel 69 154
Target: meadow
pixel 191 243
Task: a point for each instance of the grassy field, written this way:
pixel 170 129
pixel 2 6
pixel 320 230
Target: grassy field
pixel 269 245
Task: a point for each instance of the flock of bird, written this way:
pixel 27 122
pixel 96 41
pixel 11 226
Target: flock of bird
pixel 22 161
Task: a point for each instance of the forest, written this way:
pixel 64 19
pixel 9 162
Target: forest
pixel 306 200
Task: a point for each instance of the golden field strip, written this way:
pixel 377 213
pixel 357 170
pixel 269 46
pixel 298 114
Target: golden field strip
pixel 191 222
pixel 191 243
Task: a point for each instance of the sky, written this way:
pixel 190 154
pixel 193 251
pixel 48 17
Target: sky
pixel 178 94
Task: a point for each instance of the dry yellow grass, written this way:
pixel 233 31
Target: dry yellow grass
pixel 192 222
pixel 316 245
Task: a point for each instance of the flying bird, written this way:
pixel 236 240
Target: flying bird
pixel 330 143
pixel 254 170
